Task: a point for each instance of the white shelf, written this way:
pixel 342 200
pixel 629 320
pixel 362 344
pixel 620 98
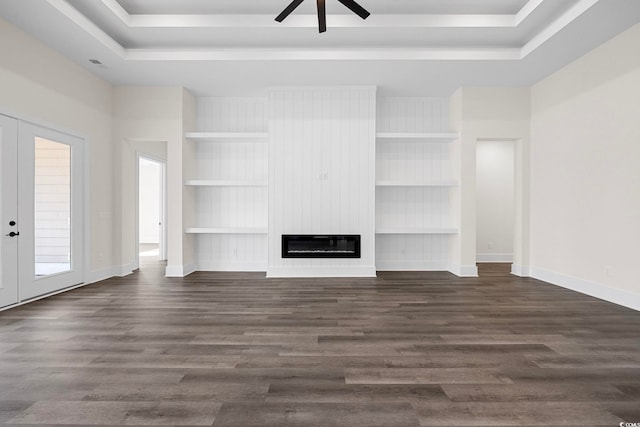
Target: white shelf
pixel 401 230
pixel 223 183
pixel 227 136
pixel 416 184
pixel 225 230
pixel 418 136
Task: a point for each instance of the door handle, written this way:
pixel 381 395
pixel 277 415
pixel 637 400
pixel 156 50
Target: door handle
pixel 12 234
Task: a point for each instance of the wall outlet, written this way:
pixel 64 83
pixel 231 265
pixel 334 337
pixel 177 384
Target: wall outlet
pixel 608 271
pixel 490 245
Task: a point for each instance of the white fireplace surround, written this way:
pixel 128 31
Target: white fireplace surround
pixel 322 174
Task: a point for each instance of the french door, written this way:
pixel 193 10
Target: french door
pixel 8 211
pixel 42 211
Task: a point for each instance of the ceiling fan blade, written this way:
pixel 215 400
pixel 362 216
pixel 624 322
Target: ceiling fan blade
pixel 322 16
pixel 356 8
pixel 287 11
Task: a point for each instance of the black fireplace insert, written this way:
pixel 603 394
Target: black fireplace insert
pixel 320 246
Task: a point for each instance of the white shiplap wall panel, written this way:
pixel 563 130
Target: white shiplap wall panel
pixel 322 174
pixel 231 206
pixel 237 160
pixel 232 252
pixel 402 208
pixel 232 115
pixel 402 161
pixel 413 115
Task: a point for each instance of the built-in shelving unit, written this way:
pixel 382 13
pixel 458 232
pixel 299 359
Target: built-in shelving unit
pixel 227 182
pixel 413 184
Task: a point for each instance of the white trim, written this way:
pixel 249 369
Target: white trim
pixel 86 190
pixel 494 257
pixel 449 183
pixel 464 270
pixel 520 270
pixel 180 270
pixel 88 26
pixel 224 183
pixel 40 297
pixel 526 11
pixel 420 136
pixel 125 270
pixel 310 21
pixel 163 209
pixel 412 266
pixel 333 54
pixel 102 274
pixel 593 289
pixel 283 272
pixel 233 266
pixel 556 26
pixel 225 230
pixel 303 21
pixel 302 88
pixel 87 211
pixel 403 230
pixel 119 11
pixel 212 136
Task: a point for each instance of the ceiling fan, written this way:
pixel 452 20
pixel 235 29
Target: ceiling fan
pixel 322 12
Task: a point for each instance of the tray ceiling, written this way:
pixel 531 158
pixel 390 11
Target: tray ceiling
pixel 418 46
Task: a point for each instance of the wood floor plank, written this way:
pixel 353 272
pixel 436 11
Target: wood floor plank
pixel 316 414
pixel 121 413
pixel 514 414
pixel 237 349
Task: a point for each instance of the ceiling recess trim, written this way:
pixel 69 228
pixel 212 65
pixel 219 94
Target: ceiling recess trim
pixel 340 21
pixel 274 54
pixel 305 21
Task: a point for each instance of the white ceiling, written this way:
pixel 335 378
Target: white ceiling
pixel 406 47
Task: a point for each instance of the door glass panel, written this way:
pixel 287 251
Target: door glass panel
pixel 52 211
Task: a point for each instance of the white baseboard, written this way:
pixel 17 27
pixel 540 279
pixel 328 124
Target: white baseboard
pixel 256 267
pixel 282 272
pixel 103 274
pixel 520 270
pixel 125 270
pixel 412 266
pixel 494 257
pixel 464 270
pixel 180 270
pixel 593 289
pixel 41 297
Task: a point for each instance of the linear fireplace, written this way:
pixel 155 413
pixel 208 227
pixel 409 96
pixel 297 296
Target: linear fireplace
pixel 320 246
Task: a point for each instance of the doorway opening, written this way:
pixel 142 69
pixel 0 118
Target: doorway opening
pixel 495 206
pixel 151 239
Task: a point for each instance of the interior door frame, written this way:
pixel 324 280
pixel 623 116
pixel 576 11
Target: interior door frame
pixel 162 256
pixel 521 237
pixel 88 278
pixel 9 192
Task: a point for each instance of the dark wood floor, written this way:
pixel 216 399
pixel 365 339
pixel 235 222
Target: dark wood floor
pixel 405 349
